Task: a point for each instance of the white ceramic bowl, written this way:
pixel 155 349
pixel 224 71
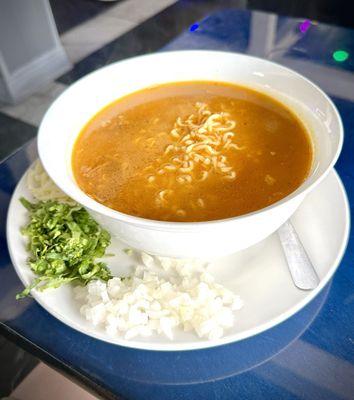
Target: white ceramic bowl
pixel 72 110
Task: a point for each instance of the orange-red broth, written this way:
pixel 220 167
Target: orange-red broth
pixel 132 155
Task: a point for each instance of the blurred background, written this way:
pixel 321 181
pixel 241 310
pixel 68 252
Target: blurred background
pixel 45 45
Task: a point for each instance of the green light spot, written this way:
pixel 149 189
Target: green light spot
pixel 340 55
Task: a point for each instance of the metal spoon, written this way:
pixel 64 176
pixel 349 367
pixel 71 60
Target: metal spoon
pixel 300 266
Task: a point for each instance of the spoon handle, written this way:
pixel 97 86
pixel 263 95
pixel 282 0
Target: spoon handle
pixel 300 266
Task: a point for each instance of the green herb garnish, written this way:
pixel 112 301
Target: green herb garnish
pixel 128 251
pixel 64 242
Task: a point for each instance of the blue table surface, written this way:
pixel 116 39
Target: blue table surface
pixel 310 356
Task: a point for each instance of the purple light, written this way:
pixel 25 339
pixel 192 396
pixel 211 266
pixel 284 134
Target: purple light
pixel 304 26
pixel 193 27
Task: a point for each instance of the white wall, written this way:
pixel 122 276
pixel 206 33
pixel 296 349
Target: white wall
pixel 30 51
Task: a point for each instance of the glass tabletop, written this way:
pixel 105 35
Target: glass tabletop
pixel 309 356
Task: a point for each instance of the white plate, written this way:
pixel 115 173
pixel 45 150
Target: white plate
pixel 259 274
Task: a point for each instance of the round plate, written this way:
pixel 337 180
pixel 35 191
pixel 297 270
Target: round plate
pixel 258 274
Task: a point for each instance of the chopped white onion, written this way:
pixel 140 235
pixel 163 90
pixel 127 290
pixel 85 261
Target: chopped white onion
pixel 163 294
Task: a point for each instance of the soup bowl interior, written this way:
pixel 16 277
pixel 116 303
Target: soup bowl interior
pixel 72 110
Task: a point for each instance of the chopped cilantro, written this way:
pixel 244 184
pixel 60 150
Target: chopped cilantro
pixel 64 242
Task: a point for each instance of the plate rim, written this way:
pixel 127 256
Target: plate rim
pixel 202 344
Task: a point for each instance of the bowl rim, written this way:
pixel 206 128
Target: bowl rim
pixel 99 208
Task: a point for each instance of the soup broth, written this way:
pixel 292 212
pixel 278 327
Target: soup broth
pixel 192 151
